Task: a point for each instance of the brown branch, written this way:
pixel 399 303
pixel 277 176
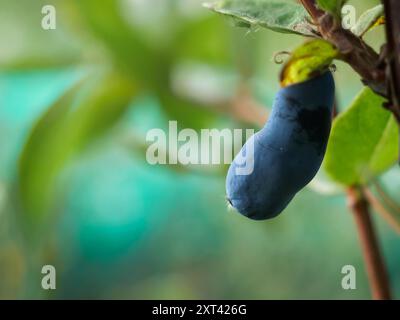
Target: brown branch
pixel 368 64
pixel 312 9
pixel 374 263
pixel 353 50
pixel 392 27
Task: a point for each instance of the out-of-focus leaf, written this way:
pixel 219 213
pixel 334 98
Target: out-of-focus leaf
pixel 278 15
pixel 67 127
pixel 363 142
pixel 130 50
pixel 199 40
pixel 368 20
pixel 331 6
pixel 307 61
pixel 36 62
pixel 188 114
pixel 25 45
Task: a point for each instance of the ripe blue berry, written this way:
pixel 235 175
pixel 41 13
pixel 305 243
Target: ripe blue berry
pixel 287 152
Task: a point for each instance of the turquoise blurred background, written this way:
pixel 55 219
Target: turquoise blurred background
pixel 113 225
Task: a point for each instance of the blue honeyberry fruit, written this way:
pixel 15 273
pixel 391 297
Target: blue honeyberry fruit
pixel 287 153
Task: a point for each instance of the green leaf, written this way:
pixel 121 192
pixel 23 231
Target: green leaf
pixel 368 20
pixel 129 49
pixel 69 125
pixel 34 48
pixel 364 141
pixel 200 40
pixel 308 60
pixel 332 6
pixel 278 15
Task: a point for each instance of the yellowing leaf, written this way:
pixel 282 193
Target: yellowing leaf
pixel 308 60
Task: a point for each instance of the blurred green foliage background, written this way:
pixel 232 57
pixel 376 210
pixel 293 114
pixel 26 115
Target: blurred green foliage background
pixel 77 193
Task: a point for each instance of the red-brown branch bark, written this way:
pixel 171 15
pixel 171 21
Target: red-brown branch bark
pixel 353 50
pixel 374 262
pixel 392 26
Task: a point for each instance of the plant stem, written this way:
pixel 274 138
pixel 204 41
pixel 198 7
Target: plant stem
pixel 374 263
pixel 367 63
pixel 392 27
pixel 312 9
pixel 353 50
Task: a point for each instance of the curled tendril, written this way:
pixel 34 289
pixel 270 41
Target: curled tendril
pixel 278 56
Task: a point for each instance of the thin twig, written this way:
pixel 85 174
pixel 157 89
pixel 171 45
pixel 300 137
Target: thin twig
pixel 374 262
pixel 394 206
pixel 244 107
pixel 381 209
